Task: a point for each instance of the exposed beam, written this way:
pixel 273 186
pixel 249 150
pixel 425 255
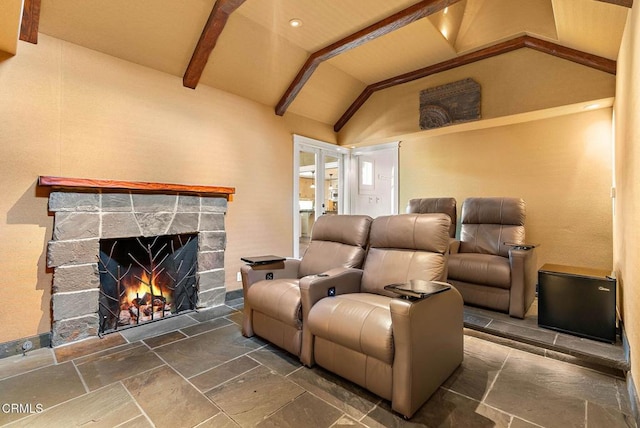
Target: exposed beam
pixel 583 58
pixel 387 25
pixel 220 13
pixel 624 3
pixel 30 21
pixel 586 59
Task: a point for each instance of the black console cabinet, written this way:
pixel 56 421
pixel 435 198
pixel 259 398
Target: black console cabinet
pixel 579 301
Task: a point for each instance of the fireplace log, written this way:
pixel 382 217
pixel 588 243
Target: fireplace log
pixel 124 318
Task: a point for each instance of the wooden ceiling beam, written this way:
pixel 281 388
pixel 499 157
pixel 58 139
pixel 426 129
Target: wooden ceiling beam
pixel 30 21
pixel 583 58
pixel 580 57
pixel 624 3
pixel 385 26
pixel 220 13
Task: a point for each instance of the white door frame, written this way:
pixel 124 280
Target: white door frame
pixel 393 148
pixel 321 149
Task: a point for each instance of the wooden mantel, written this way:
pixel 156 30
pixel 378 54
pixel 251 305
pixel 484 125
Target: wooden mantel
pixel 137 186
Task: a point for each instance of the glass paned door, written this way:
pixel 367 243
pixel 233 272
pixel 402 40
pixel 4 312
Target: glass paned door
pixel 307 195
pixel 318 185
pixel 331 184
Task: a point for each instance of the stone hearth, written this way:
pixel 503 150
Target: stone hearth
pixel 82 218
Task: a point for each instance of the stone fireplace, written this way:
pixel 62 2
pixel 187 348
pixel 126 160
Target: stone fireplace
pixel 93 216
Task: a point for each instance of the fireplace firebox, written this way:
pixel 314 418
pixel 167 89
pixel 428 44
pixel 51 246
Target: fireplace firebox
pixel 144 279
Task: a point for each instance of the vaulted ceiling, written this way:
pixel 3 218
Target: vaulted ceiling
pixel 349 47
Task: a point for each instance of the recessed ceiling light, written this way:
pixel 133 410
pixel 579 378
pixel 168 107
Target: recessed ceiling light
pixel 295 23
pixel 446 9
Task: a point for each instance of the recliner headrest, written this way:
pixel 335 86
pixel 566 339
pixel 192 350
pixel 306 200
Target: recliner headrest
pixel 493 211
pixel 423 232
pixel 435 205
pixel 346 229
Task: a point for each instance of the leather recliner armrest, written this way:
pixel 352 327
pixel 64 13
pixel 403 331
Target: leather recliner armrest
pixel 250 274
pixel 343 280
pixel 454 246
pixel 428 343
pixel 316 287
pixel 523 263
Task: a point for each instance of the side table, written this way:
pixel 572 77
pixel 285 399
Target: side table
pixel 264 262
pixel 418 289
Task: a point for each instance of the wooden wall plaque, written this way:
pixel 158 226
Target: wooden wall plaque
pixel 449 104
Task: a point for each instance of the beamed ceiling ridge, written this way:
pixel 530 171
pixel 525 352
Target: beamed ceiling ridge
pixel 583 58
pixel 396 21
pixel 222 9
pixel 385 26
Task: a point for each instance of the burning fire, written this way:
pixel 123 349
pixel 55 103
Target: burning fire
pixel 144 286
pixel 144 299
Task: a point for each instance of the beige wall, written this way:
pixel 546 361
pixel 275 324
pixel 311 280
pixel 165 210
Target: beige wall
pixel 69 111
pixel 516 82
pixel 10 19
pixel 526 145
pixel 627 177
pixel 561 167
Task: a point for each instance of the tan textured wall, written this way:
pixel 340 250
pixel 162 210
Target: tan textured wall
pixel 627 204
pixel 69 111
pixel 10 19
pixel 561 167
pixel 516 82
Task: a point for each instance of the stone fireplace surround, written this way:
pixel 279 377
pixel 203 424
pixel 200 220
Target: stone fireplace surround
pixel 86 211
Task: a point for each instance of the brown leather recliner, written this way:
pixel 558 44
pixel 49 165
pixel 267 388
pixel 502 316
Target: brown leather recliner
pixel 487 272
pixel 399 349
pixel 436 205
pixel 272 307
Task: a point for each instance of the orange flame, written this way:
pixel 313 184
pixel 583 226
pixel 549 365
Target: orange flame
pixel 146 285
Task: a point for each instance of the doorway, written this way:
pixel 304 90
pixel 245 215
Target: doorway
pixel 318 186
pixel 374 180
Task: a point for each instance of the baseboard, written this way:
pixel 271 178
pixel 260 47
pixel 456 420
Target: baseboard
pixel 233 294
pixel 633 398
pixel 15 347
pixel 25 344
pixel 625 343
pixel 632 392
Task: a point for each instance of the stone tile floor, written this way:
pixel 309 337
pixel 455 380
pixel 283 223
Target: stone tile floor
pixel 526 335
pixel 198 370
